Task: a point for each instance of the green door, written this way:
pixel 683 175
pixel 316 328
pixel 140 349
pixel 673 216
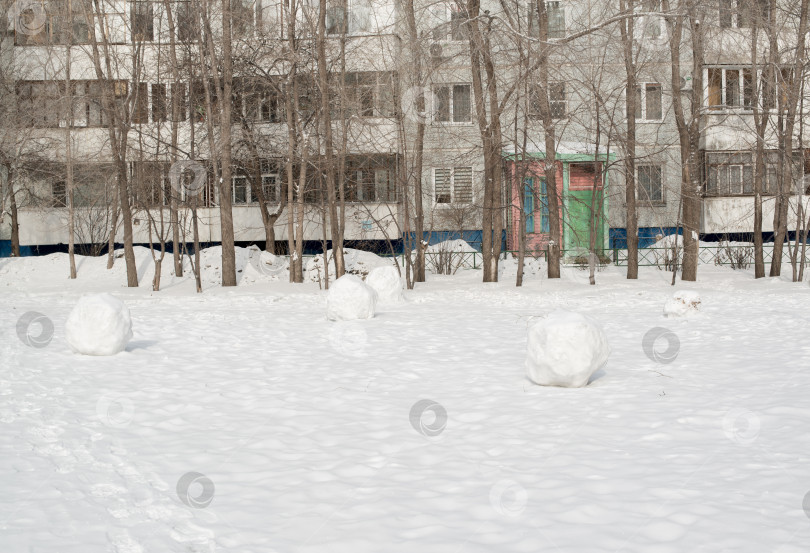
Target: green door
pixel 580 212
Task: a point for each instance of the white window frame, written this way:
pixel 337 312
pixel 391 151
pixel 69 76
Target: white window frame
pixel 276 185
pixel 248 198
pixel 643 102
pixel 454 202
pixel 723 105
pixel 451 105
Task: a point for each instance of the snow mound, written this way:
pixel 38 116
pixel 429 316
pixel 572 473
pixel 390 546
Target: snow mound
pixel 457 245
pixel 358 262
pixel 350 298
pixel 387 283
pixel 263 266
pixel 682 304
pixel 565 349
pixel 446 258
pixel 98 325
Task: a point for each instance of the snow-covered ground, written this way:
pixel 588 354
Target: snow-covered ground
pixel 242 420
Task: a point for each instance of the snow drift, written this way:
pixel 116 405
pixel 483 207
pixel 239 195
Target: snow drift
pixel 565 349
pixel 350 298
pixel 358 262
pixel 100 324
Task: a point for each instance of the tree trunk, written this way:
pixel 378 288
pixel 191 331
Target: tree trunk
pixel 118 131
pixel 69 155
pixel 225 207
pixel 489 127
pixel 415 169
pixel 631 214
pixel 15 219
pixel 326 129
pixel 688 131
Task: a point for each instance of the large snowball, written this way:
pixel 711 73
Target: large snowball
pixel 350 298
pixel 682 304
pixel 99 325
pixel 565 349
pixel 386 282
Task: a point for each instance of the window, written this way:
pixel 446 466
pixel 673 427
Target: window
pixel 241 193
pixel 151 183
pixel 535 202
pixel 648 102
pixel 59 194
pixel 650 184
pixel 370 180
pixel 651 26
pixel 555 12
pixel 178 92
pixel 159 108
pixel 556 19
pixel 453 186
pixel 242 17
pixel 731 174
pixel 36 24
pixel 143 21
pixel 38 102
pixel 556 97
pixel 451 22
pixel 528 205
pixel 369 95
pixel 730 88
pixel 336 17
pixel 270 181
pixel 111 25
pixel 185 22
pixel 453 103
pixel 742 13
pixel 261 100
pixel 140 113
pixel 79 29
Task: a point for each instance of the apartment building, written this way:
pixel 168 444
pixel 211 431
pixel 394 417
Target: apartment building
pixel 158 79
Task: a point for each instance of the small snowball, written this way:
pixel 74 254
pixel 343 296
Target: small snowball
pixel 386 282
pixel 565 349
pixel 350 298
pixel 98 325
pixel 682 304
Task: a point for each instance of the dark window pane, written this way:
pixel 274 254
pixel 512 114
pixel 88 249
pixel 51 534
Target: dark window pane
pixel 653 99
pixel 159 103
pixel 461 103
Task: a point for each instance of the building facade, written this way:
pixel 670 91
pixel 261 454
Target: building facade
pixel 69 64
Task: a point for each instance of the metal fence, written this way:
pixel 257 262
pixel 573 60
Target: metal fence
pixel 736 255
